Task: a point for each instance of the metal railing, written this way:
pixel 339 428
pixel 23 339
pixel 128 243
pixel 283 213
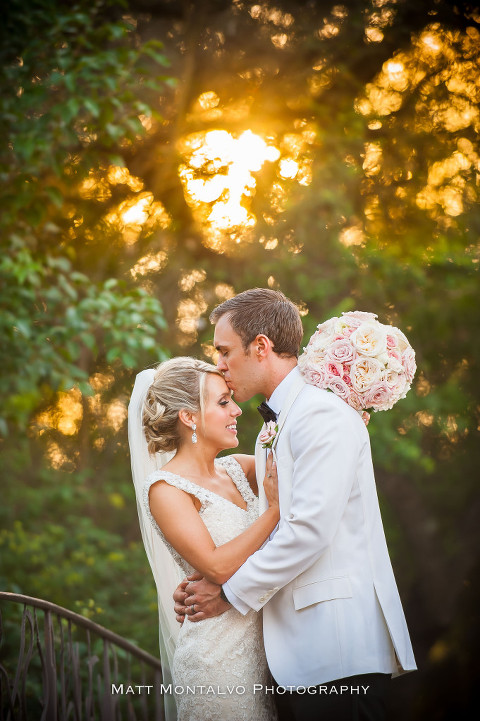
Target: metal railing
pixel 65 667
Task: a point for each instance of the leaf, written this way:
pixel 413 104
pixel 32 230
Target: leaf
pixel 89 340
pixel 128 360
pixel 23 327
pixel 113 354
pixel 148 343
pixel 92 107
pixel 114 131
pixel 86 389
pixel 3 427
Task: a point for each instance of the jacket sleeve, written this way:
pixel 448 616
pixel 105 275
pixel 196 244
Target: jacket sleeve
pixel 325 441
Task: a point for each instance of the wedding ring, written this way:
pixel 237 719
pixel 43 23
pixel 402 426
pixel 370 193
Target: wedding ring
pixel 269 475
pixel 193 608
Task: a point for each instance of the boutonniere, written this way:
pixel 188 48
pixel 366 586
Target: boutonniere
pixel 267 436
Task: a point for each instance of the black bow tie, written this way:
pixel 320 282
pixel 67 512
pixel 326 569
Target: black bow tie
pixel 266 412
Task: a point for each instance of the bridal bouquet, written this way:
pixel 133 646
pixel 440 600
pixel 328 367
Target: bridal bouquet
pixel 366 363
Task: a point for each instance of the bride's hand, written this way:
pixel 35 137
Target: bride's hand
pixel 270 483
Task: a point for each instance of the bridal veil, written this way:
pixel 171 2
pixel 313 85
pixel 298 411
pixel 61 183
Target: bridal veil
pixel 167 573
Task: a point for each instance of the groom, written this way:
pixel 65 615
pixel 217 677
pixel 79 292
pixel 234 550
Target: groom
pixel 332 617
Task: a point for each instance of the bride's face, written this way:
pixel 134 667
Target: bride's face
pixel 219 426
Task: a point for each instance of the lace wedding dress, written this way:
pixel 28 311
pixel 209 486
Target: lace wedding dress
pixel 219 667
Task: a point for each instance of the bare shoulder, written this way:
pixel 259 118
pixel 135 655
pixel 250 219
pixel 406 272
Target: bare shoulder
pixel 161 490
pixel 163 495
pixel 248 466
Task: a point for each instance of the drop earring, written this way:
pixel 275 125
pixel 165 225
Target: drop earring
pixel 194 434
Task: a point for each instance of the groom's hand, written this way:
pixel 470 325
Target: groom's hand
pixel 203 599
pixel 179 597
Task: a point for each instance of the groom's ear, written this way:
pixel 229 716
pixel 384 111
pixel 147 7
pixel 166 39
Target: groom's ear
pixel 262 345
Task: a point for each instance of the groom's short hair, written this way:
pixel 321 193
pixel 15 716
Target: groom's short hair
pixel 262 311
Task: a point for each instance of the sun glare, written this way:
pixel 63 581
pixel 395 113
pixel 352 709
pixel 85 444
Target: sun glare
pixel 219 170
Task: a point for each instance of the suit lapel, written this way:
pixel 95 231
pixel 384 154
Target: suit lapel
pixel 297 386
pixel 260 464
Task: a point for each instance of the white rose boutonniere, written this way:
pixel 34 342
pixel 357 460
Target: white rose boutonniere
pixel 267 436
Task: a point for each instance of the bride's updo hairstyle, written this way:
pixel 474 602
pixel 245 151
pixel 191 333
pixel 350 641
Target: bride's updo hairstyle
pixel 179 383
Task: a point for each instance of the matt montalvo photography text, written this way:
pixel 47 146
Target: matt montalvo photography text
pixel 168 689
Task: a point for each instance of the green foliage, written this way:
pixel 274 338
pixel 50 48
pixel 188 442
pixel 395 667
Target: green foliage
pixel 56 323
pixel 80 566
pixel 69 101
pixel 65 541
pixel 68 97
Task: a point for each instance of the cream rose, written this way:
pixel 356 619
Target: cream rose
pixel 370 339
pixel 364 373
pixel 320 342
pixel 396 382
pixel 343 327
pixel 328 326
pixel 393 364
pixel 402 341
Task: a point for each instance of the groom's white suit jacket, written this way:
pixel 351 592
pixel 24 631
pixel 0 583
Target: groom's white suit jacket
pixel 331 607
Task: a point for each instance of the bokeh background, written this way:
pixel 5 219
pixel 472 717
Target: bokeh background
pixel 158 157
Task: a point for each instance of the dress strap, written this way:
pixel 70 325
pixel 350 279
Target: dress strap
pixel 203 494
pixel 173 480
pixel 237 474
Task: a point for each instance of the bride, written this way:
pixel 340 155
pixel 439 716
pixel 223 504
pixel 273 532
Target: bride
pixel 198 512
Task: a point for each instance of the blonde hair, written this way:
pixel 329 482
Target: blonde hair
pixel 179 383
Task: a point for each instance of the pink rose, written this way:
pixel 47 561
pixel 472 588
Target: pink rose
pixel 333 369
pixel 409 364
pixel 394 354
pixel 268 434
pixel 315 376
pixel 339 387
pixel 341 351
pixel 356 401
pixel 391 341
pixel 355 318
pixel 379 397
